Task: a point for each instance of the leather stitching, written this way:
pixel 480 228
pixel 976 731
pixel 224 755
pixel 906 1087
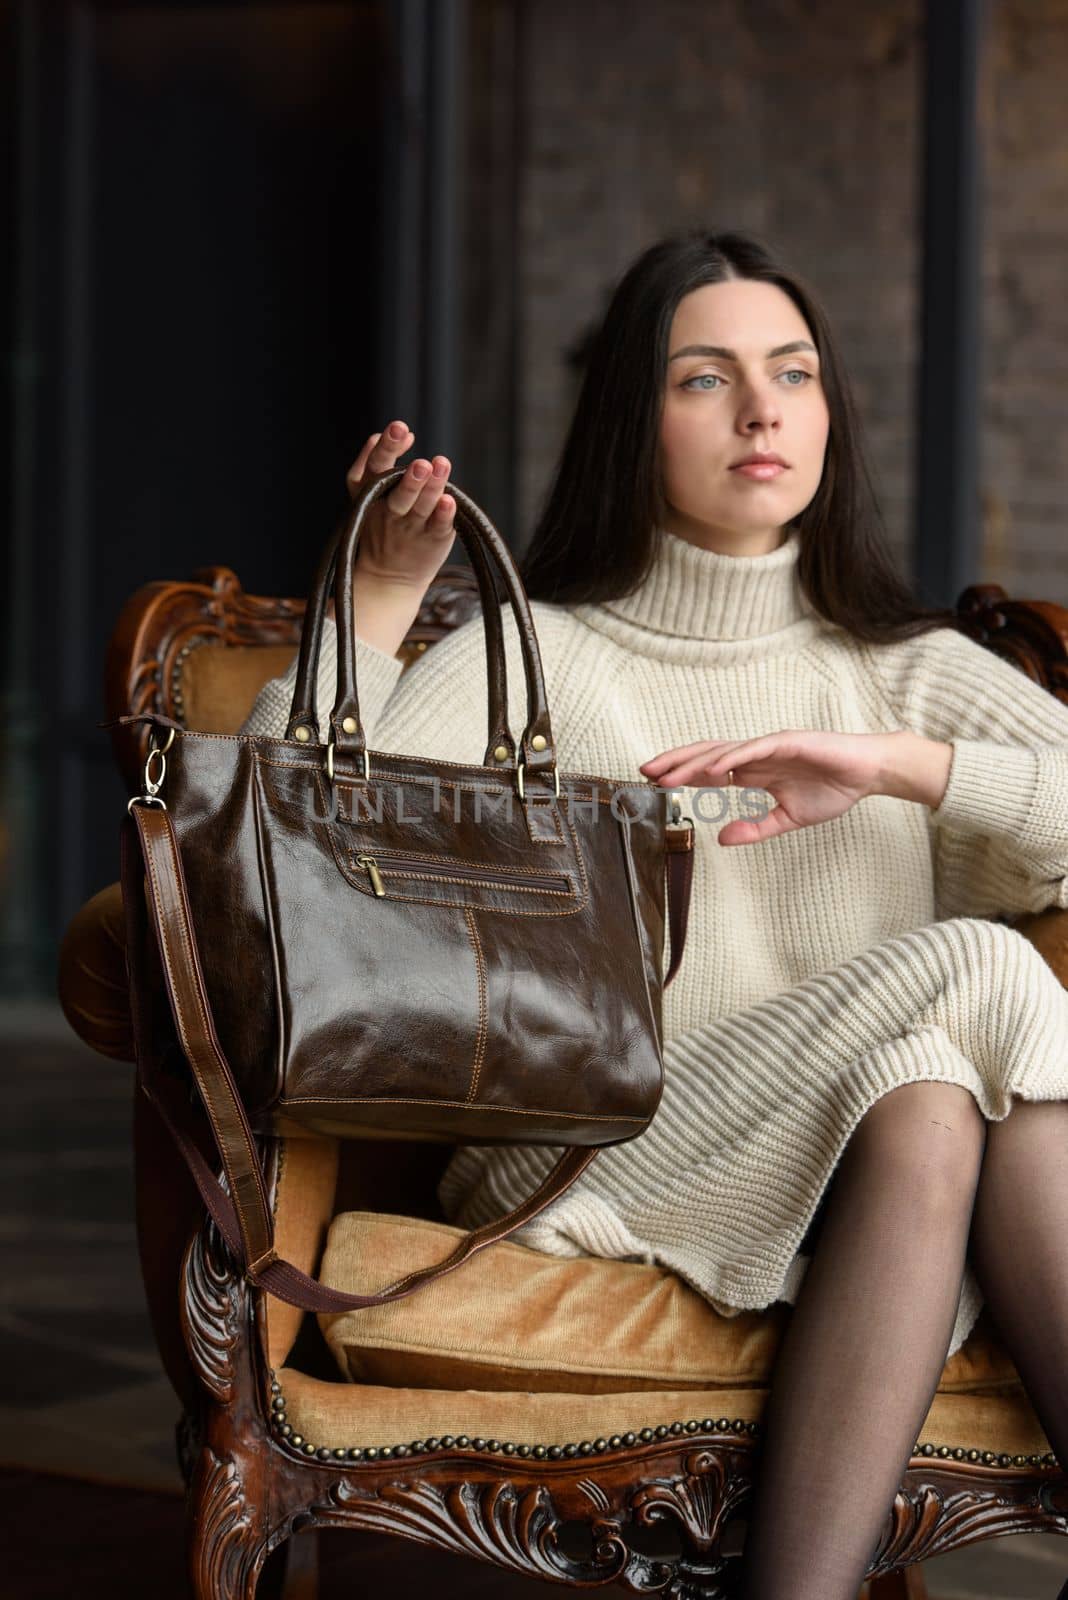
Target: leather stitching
pixel 265 738
pixel 551 808
pixel 365 888
pixel 180 1009
pixel 441 877
pixel 459 1105
pixel 585 796
pixel 432 859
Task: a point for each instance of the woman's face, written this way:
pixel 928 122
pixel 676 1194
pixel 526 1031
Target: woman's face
pixel 726 396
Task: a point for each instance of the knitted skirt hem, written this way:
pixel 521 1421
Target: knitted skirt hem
pixel 723 1186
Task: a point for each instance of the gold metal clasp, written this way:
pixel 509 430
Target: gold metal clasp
pixel 157 754
pixel 520 764
pixel 330 762
pixel 145 800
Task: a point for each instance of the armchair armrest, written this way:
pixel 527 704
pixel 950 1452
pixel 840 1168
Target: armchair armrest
pixel 91 980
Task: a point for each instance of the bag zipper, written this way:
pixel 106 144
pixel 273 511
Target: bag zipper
pixel 413 866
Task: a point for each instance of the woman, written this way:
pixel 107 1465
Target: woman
pixel 847 1008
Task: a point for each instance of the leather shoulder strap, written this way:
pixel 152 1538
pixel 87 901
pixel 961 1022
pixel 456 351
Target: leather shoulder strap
pixel 150 854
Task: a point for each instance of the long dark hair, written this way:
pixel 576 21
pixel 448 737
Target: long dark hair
pixel 594 536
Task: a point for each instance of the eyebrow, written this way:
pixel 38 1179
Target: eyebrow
pixel 732 355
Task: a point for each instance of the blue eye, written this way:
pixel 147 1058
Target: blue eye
pixel 792 372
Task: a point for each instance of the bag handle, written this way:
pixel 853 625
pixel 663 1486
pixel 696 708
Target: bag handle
pixel 536 751
pixel 303 712
pixel 150 855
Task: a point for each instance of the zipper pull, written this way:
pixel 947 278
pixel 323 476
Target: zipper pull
pixel 373 873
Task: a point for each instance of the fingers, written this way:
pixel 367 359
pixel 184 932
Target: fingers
pixel 712 759
pixel 660 762
pixel 379 454
pixel 746 830
pixel 420 491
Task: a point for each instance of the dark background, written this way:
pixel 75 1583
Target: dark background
pixel 235 250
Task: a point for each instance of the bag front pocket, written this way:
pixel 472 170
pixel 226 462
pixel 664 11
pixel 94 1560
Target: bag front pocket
pixel 388 872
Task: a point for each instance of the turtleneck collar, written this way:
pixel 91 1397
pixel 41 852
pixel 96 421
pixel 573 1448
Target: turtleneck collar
pixel 697 604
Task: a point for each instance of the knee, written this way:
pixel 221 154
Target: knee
pixel 932 1135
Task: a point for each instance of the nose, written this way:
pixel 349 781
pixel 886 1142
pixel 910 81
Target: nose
pixel 759 409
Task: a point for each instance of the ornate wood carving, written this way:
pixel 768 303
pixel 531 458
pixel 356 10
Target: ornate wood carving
pixel 1032 634
pixel 516 1521
pixel 930 1518
pixel 163 622
pixel 513 1526
pixel 211 1311
pixel 226 1543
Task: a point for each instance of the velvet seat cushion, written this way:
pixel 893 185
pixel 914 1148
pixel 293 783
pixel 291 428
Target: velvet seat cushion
pixel 513 1318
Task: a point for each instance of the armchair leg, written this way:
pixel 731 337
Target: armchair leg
pixel 227 1533
pixel 301 1581
pixel 908 1583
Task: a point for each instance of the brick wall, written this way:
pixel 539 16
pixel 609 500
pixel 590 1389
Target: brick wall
pixel 1025 382
pixel 800 120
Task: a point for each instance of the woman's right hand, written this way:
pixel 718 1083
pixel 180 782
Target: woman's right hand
pixel 405 538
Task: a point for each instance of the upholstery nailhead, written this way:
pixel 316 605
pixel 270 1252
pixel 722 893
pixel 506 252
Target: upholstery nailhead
pixel 586 1447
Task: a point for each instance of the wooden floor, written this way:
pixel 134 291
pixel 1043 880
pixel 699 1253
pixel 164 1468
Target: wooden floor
pixel 88 1400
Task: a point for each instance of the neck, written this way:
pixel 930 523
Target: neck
pixel 754 542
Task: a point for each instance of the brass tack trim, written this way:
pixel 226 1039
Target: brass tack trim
pixel 617 1441
pixel 302 735
pixel 538 742
pixel 348 724
pixel 501 753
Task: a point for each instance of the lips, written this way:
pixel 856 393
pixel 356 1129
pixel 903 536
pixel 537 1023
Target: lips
pixel 762 471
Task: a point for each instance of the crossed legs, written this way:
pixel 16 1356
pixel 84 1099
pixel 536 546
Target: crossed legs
pixel 866 1343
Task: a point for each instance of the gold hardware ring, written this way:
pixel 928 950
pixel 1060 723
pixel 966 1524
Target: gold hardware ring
pixel 330 763
pixel 519 779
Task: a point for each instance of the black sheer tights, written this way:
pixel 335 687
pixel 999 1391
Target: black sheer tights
pixel 867 1340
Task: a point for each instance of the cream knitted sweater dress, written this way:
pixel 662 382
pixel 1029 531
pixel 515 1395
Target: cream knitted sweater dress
pixel 823 967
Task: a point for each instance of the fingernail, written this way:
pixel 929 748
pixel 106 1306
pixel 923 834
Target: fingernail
pixel 397 430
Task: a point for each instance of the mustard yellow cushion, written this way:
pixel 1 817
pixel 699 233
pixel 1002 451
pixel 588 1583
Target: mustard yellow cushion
pixel 347 1415
pixel 220 685
pixel 512 1318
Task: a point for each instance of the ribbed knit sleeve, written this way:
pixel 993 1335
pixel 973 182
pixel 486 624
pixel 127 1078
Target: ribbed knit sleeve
pixel 1000 831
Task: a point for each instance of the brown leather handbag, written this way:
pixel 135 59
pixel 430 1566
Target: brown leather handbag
pixel 364 944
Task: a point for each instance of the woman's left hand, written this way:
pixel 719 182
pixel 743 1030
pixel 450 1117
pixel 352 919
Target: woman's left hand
pixel 813 776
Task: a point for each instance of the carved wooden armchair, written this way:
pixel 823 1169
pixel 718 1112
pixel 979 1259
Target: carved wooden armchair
pixel 584 1420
